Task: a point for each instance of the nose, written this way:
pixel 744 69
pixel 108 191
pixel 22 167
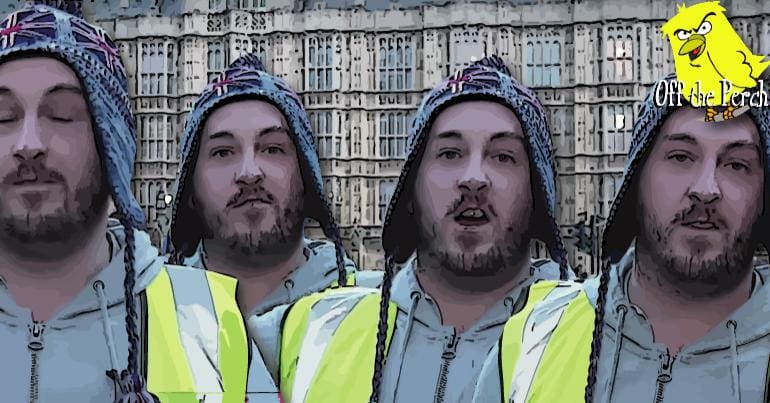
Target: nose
pixel 705 189
pixel 250 172
pixel 473 179
pixel 29 145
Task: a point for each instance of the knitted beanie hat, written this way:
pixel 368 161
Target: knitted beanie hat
pixel 246 78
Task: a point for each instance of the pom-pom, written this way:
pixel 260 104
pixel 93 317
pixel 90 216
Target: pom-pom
pixel 493 62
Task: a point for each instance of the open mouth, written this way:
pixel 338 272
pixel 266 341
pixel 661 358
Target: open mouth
pixel 695 53
pixel 472 217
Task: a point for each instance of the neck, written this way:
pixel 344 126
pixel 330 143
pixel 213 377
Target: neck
pixel 44 277
pixel 463 300
pixel 258 275
pixel 679 320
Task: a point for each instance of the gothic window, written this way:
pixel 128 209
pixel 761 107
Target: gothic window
pixel 259 47
pixel 619 55
pixel 152 74
pixel 172 69
pixel 543 63
pixel 396 71
pixel 321 122
pixel 393 134
pixel 387 187
pixel 216 58
pixel 319 64
pixel 170 138
pixel 241 47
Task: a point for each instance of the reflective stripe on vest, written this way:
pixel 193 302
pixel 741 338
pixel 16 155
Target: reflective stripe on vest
pixel 328 347
pixel 545 348
pixel 197 344
pixel 351 281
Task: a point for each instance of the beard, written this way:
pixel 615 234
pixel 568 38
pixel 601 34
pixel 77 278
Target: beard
pixel 280 239
pixel 691 273
pixel 74 216
pixel 505 252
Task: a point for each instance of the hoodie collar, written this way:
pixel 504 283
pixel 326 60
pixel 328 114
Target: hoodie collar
pixel 147 266
pixel 750 326
pixel 317 273
pixel 406 288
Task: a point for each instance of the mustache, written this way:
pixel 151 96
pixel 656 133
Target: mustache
pixel 246 194
pixel 699 212
pixel 33 172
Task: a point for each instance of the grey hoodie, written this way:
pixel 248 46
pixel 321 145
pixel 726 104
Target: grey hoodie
pixel 415 370
pixel 75 354
pixel 735 352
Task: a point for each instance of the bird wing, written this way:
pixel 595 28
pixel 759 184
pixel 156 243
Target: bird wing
pixel 736 67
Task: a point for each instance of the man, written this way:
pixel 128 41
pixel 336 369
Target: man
pixel 682 314
pixel 477 187
pixel 68 273
pixel 249 177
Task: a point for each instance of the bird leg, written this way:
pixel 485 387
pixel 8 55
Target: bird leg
pixel 728 113
pixel 711 112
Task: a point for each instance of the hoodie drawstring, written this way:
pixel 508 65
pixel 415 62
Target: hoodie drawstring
pixel 736 377
pixel 289 286
pixel 409 322
pixel 621 310
pixel 99 288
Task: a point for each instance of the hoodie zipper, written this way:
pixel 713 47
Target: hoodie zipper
pixel 664 377
pixel 34 345
pixel 450 350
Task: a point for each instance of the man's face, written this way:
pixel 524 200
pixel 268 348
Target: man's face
pixel 700 196
pixel 51 183
pixel 472 189
pixel 247 182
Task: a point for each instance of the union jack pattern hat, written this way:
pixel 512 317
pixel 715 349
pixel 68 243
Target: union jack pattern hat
pixel 246 78
pixel 88 50
pixel 490 79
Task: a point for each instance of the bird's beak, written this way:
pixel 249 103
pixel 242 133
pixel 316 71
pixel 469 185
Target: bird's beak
pixel 694 47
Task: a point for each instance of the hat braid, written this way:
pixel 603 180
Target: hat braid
pixel 382 330
pixel 132 383
pixel 598 333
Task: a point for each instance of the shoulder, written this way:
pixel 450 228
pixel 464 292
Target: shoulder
pixel 193 277
pixel 369 278
pixel 547 269
pixel 547 294
pixel 334 298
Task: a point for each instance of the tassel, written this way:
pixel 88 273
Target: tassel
pixel 133 390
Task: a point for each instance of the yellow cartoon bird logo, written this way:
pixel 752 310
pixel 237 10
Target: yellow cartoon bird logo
pixel 710 59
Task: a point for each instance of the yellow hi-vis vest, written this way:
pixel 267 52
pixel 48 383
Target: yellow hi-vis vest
pixel 196 343
pixel 327 351
pixel 545 347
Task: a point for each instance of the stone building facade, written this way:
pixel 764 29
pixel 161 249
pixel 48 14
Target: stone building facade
pixel 362 67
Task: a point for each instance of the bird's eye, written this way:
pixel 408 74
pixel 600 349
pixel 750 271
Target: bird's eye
pixel 704 28
pixel 683 35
